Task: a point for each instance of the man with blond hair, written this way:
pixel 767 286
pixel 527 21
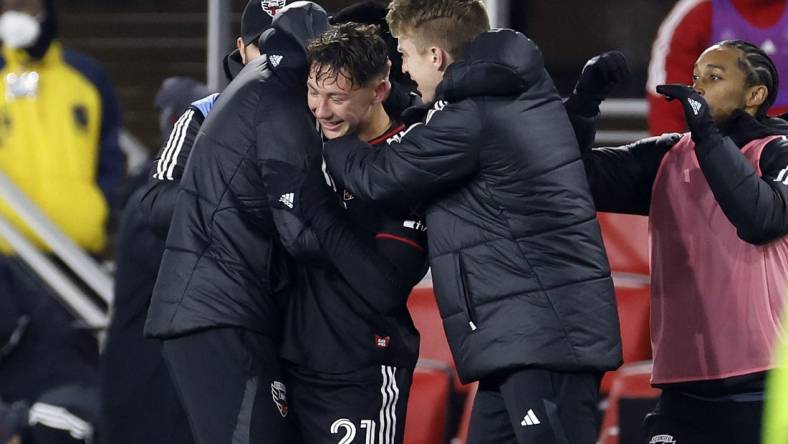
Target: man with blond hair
pixel 519 268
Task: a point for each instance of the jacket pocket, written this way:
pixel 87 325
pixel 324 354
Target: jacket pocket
pixel 470 311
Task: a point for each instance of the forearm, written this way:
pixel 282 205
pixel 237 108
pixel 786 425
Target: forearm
pixel 374 276
pixel 756 206
pixel 157 204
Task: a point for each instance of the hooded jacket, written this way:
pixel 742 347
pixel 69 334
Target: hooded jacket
pixel 223 264
pixel 59 136
pixel 519 268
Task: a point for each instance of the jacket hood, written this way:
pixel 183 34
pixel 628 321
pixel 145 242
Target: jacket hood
pixel 49 31
pixel 301 21
pixel 501 62
pixel 232 64
pixel 285 43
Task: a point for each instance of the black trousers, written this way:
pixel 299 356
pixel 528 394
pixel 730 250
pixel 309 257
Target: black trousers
pixel 361 407
pixel 685 419
pixel 532 405
pixel 232 387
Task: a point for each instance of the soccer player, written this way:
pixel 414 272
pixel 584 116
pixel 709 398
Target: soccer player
pixel 519 268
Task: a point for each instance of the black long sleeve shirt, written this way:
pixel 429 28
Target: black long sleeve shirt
pixel 756 204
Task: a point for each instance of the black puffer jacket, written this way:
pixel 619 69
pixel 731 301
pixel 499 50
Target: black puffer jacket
pixel 223 264
pixel 518 263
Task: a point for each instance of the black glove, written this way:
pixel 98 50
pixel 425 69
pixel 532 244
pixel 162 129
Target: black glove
pixel 600 74
pixel 696 112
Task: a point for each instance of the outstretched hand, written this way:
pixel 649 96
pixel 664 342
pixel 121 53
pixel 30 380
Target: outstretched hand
pixel 600 74
pixel 696 110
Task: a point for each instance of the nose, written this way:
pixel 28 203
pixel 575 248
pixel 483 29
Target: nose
pixel 322 110
pixel 696 85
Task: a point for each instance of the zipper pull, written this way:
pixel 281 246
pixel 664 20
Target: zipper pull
pixel 473 326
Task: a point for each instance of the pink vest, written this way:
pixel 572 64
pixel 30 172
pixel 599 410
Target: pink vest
pixel 716 300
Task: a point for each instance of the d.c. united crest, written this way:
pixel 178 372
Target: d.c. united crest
pixel 279 394
pixel 271 7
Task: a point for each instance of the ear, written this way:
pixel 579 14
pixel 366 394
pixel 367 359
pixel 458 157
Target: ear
pixel 382 90
pixel 239 43
pixel 755 96
pixel 440 58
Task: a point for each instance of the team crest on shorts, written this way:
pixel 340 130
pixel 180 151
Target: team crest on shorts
pixel 382 341
pixel 662 439
pixel 279 394
pixel 271 7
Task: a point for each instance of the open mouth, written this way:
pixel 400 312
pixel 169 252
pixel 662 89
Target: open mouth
pixel 330 125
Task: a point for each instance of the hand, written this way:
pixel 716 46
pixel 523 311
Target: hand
pixel 600 74
pixel 696 110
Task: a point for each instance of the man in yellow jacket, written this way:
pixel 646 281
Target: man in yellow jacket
pixel 59 144
pixel 59 124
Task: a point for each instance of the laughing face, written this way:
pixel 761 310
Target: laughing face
pixel 341 106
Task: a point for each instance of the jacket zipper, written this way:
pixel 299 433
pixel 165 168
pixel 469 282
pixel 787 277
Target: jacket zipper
pixel 466 295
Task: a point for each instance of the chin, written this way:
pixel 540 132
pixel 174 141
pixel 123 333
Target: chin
pixel 332 134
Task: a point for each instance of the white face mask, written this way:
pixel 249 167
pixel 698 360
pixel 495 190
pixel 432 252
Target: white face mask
pixel 18 30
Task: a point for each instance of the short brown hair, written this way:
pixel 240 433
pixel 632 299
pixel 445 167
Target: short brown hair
pixel 352 50
pixel 448 24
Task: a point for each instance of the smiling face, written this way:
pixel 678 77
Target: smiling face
pixel 425 67
pixel 341 106
pixel 720 78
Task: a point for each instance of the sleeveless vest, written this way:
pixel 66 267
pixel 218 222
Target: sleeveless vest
pixel 716 300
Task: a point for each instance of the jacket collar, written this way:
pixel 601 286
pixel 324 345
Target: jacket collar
pixel 19 59
pixel 743 128
pixel 500 62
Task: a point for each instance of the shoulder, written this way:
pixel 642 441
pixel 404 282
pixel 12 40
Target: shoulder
pixel 205 105
pixel 86 65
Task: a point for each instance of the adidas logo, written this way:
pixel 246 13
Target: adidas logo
pixel 275 59
pixel 530 419
pixel 287 199
pixel 695 106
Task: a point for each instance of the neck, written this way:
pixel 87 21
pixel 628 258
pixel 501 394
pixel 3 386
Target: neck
pixel 378 124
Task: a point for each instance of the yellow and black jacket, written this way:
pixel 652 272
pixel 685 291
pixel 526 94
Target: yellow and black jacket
pixel 59 123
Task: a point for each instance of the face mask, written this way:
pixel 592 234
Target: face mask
pixel 19 30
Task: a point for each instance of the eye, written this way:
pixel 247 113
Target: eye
pixel 313 93
pixel 715 77
pixel 695 77
pixel 337 100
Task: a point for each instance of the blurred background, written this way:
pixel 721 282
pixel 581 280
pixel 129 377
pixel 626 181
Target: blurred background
pixel 141 42
pixel 57 299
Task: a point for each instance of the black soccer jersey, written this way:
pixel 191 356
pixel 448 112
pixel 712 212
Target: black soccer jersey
pixel 332 327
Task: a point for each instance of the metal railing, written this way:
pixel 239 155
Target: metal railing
pixel 69 294
pixel 77 260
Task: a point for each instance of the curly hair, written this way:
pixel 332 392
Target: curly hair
pixel 354 51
